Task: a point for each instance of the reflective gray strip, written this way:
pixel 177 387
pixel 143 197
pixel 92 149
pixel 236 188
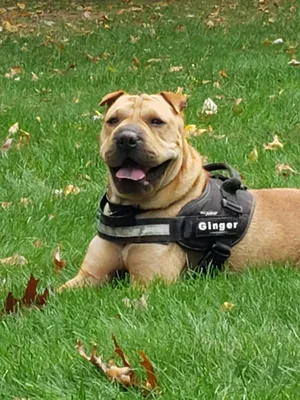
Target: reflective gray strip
pixel 134 231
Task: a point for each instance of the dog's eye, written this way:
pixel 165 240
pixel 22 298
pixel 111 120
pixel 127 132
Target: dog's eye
pixel 157 121
pixel 112 121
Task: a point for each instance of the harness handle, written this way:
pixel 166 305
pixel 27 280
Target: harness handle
pixel 222 167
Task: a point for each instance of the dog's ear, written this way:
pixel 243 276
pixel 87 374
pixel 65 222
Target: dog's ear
pixel 110 98
pixel 176 100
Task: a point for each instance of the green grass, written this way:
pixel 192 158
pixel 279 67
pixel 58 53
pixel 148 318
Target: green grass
pixel 199 352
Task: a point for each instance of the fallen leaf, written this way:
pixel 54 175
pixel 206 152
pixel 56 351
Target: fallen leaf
pixel 192 130
pixel 71 189
pixel 5 204
pixel 284 169
pixel 6 145
pixel 30 298
pixel 8 27
pixel 151 382
pixel 142 302
pixel 210 24
pixel 268 42
pixel 205 82
pixel 238 101
pixel 16 259
pixel 134 39
pixel 275 145
pixel 21 6
pixel 125 375
pixel 223 73
pixel 154 61
pixel 94 59
pixel 136 62
pixel 253 155
pixel 180 90
pixel 87 15
pixel 209 107
pixel 38 244
pixel 38 119
pixel 14 71
pixel 227 306
pixel 25 201
pixel 34 77
pixel 13 129
pixel 127 302
pixel 176 68
pixel 59 263
pixel 217 85
pixel 294 62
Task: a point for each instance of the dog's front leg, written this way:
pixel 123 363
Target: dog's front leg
pixel 100 264
pixel 145 262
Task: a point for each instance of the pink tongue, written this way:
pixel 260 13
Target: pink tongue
pixel 134 174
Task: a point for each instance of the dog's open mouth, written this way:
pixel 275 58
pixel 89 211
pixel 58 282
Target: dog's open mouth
pixel 132 171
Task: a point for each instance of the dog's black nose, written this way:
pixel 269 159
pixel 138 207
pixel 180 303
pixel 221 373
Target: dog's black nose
pixel 126 140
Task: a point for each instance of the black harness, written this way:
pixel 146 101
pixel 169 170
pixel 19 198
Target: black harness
pixel 211 224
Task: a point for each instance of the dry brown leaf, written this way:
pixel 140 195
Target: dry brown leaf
pixel 192 130
pixel 238 101
pixel 30 298
pixel 284 169
pixel 59 263
pixel 223 73
pixel 217 85
pixel 87 15
pixel 25 201
pixel 136 62
pixel 16 259
pixel 151 383
pixel 71 189
pixel 8 27
pixel 13 129
pixel 205 82
pixel 210 24
pixel 93 59
pixel 180 90
pixel 5 204
pixel 253 155
pixel 176 68
pixel 6 145
pixel 38 244
pixel 275 145
pixel 34 77
pixel 125 374
pixel 14 71
pixel 227 306
pixel 268 42
pixel 134 39
pixel 21 6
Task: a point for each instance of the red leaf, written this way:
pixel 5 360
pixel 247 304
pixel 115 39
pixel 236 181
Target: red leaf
pixel 151 377
pixel 10 303
pixel 30 292
pixel 120 352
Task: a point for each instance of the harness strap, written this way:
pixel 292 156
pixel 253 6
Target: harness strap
pixel 212 229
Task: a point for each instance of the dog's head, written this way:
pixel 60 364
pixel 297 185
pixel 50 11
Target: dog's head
pixel 141 141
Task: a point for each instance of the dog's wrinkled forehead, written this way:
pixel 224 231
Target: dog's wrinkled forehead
pixel 141 106
pixel 165 104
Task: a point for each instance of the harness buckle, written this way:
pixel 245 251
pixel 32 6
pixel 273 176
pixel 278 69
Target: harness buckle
pixel 219 253
pixel 230 205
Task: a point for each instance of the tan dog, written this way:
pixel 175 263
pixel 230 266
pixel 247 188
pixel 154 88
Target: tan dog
pixel 151 165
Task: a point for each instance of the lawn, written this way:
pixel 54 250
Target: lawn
pixel 57 60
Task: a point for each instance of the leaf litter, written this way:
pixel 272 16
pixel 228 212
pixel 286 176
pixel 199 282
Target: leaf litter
pixel 125 374
pixel 30 298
